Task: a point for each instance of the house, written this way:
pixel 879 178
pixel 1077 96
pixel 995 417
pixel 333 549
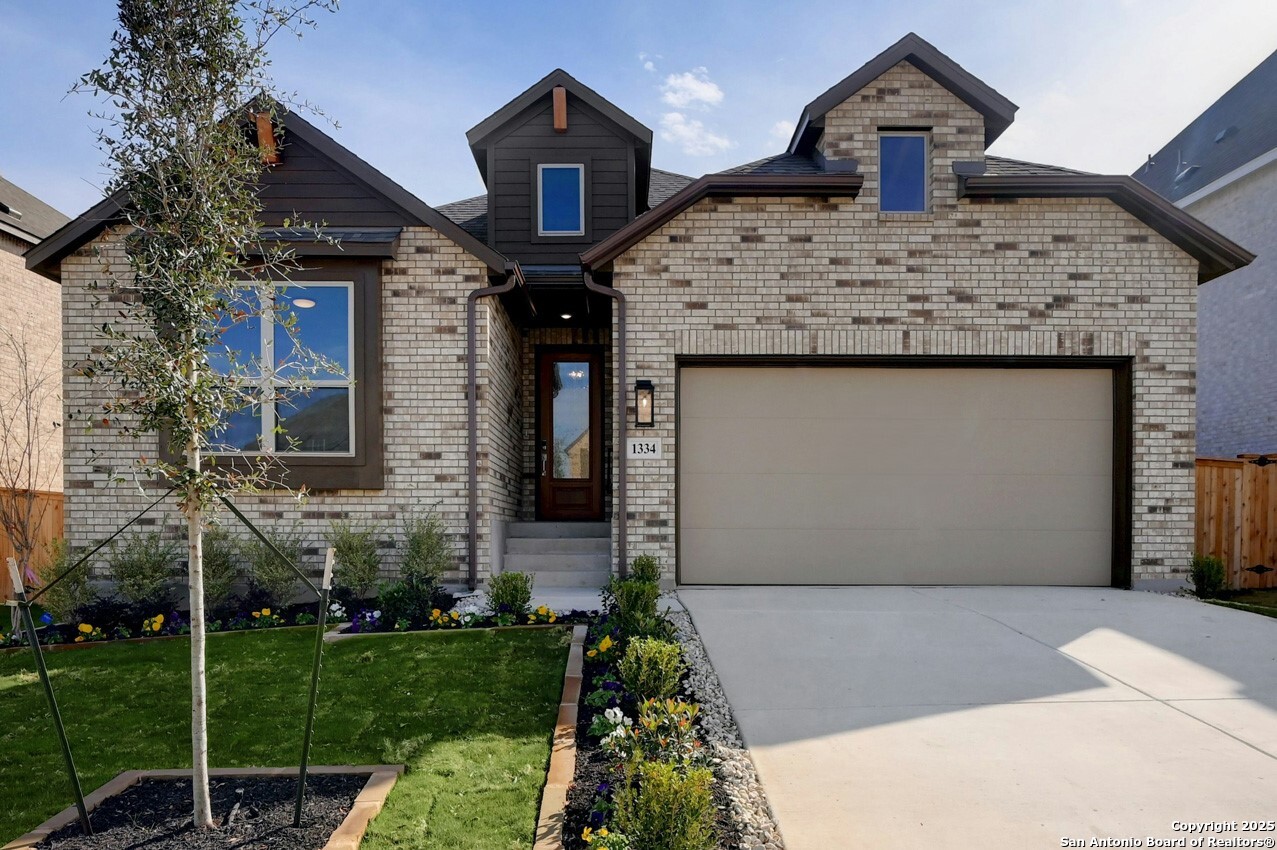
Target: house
pixel 879 356
pixel 1222 168
pixel 30 371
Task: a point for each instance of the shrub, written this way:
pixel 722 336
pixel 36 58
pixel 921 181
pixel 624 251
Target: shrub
pixel 632 605
pixel 411 599
pixel 1208 575
pixel 646 568
pixel 358 561
pixel 272 582
pixel 668 808
pixel 73 592
pixel 427 548
pixel 652 669
pixel 143 570
pixel 510 593
pixel 221 567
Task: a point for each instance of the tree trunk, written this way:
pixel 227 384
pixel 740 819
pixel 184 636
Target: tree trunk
pixel 203 813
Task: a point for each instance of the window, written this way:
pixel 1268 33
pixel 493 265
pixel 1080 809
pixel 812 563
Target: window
pixel 902 172
pixel 561 200
pixel 298 356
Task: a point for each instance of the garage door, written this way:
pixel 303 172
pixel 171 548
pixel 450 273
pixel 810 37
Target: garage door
pixel 895 476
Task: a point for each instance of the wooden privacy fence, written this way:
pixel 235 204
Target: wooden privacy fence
pixel 1237 517
pixel 49 511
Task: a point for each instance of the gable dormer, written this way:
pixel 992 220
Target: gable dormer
pixel 904 118
pixel 564 168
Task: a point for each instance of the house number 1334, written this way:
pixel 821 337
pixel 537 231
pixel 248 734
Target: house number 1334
pixel 644 448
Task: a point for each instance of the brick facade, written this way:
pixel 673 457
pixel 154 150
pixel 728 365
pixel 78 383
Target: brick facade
pixel 32 306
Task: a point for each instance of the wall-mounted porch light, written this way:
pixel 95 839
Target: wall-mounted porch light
pixel 644 404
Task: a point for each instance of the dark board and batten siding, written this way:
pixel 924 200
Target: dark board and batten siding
pixel 590 139
pixel 307 185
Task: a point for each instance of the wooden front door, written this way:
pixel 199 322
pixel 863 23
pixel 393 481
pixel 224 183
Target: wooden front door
pixel 569 434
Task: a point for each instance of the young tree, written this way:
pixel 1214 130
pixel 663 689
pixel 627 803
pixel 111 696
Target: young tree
pixel 178 85
pixel 30 438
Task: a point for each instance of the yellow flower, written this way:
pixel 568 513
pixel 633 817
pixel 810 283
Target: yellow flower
pixel 86 628
pixel 159 619
pixel 603 832
pixel 265 612
pixel 80 639
pixel 456 616
pixel 257 613
pixel 542 610
pixel 587 835
pixel 435 613
pixel 592 653
pixel 553 617
pixel 605 644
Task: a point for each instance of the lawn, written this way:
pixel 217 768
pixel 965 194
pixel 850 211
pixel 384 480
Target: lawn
pixel 470 712
pixel 1256 601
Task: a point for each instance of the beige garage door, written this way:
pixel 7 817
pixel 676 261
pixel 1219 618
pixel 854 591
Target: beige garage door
pixel 895 476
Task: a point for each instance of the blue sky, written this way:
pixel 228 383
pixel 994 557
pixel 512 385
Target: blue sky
pixel 1100 83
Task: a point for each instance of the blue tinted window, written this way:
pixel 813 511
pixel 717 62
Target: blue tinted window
pixel 561 199
pixel 902 169
pixel 312 332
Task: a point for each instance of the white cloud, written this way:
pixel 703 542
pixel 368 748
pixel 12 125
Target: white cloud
pixel 692 136
pixel 781 132
pixel 648 64
pixel 691 88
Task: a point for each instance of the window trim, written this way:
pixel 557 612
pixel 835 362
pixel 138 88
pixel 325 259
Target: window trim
pixel 927 181
pixel 365 469
pixel 270 381
pixel 580 170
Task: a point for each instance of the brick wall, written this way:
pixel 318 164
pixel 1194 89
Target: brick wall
pixel 776 276
pixel 424 352
pixel 1237 381
pixel 31 306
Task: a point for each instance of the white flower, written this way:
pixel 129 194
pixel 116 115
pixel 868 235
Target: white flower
pixel 376 615
pixel 617 718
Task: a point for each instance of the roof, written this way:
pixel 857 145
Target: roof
pixel 998 112
pixel 1234 130
pixel 46 256
pixel 25 216
pixel 1001 165
pixel 664 185
pixel 781 163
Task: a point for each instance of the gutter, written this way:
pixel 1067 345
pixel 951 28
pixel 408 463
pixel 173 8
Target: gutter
pixel 514 277
pixel 618 347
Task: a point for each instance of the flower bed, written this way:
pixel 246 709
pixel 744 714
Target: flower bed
pixel 159 625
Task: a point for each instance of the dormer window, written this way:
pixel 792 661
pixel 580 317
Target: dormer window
pixel 561 199
pixel 903 172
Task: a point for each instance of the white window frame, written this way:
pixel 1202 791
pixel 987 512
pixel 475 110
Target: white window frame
pixel 925 135
pixel 267 383
pixel 580 170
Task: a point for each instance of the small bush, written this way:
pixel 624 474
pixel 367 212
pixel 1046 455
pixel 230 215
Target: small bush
pixel 667 809
pixel 411 599
pixel 1208 575
pixel 646 568
pixel 427 547
pixel 358 561
pixel 73 592
pixel 272 582
pixel 221 567
pixel 632 605
pixel 143 570
pixel 652 669
pixel 510 593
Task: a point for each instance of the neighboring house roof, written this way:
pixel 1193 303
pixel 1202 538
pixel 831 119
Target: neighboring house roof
pixel 46 256
pixel 998 112
pixel 1236 129
pixel 25 216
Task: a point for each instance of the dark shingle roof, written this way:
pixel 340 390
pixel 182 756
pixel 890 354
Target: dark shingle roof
pixel 1002 166
pixel 781 163
pixel 36 220
pixel 471 214
pixel 664 185
pixel 1234 130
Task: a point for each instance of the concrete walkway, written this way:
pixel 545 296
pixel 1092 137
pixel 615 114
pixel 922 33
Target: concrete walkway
pixel 885 718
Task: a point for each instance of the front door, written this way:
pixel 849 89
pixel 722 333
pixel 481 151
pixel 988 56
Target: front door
pixel 569 434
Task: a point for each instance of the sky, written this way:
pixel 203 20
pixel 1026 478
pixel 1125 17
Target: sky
pixel 1100 83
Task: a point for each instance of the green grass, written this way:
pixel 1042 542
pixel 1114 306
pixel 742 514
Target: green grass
pixel 1255 601
pixel 470 712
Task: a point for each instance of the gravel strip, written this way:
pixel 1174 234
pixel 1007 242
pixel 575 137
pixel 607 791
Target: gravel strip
pixel 749 813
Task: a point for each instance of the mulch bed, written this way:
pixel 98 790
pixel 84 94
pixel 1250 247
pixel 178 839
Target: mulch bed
pixel 155 814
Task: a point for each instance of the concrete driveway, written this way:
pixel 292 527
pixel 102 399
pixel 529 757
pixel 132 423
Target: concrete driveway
pixel 893 717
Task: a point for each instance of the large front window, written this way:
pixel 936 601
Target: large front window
pixel 295 358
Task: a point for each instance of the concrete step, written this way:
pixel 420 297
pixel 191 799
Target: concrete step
pixel 559 529
pixel 524 563
pixel 569 578
pixel 557 545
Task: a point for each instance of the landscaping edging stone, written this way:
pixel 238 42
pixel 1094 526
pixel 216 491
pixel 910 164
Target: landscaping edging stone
pixel 554 797
pixel 750 815
pixel 347 836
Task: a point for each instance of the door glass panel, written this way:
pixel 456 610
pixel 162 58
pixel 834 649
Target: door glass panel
pixel 570 415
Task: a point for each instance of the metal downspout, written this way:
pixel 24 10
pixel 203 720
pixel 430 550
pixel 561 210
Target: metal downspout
pixel 514 276
pixel 622 423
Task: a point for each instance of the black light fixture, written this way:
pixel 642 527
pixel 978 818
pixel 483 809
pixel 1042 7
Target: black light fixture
pixel 644 404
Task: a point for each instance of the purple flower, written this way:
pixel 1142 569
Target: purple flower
pixel 46 618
